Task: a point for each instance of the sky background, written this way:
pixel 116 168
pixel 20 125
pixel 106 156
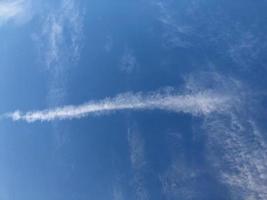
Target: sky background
pixel 168 99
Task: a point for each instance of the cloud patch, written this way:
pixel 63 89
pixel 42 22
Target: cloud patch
pixel 128 62
pixel 200 103
pixel 236 145
pixel 175 34
pixel 237 149
pixel 14 11
pixel 61 35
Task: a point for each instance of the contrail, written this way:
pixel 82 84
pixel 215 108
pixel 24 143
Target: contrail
pixel 201 103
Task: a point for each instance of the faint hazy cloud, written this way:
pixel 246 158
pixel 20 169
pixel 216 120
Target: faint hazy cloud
pixel 17 11
pixel 128 61
pixel 117 193
pixel 181 182
pixel 109 43
pixel 136 183
pixel 246 48
pixel 136 148
pixel 62 32
pixel 236 147
pixel 59 43
pixel 55 38
pixel 138 163
pixel 175 33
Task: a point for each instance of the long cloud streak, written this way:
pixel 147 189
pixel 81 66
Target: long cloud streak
pixel 200 103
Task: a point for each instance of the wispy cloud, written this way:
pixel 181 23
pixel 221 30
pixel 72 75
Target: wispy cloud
pixel 180 181
pixel 59 42
pixel 128 62
pixel 246 48
pixel 136 148
pixel 200 103
pixel 16 11
pixel 138 163
pixel 238 151
pixel 61 35
pixel 117 193
pixel 236 146
pixel 175 32
pixel 10 10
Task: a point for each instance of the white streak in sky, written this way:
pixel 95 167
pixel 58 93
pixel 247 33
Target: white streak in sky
pixel 200 103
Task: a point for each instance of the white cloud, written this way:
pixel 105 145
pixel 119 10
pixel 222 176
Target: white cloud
pixel 10 9
pixel 55 39
pixel 200 103
pixel 14 11
pixel 138 167
pixel 239 152
pixel 236 145
pixel 59 43
pixel 62 34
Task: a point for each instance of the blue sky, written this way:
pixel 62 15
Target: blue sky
pixel 133 100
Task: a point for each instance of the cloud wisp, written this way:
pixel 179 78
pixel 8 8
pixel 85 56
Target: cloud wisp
pixel 197 104
pixel 62 33
pixel 16 10
pixel 138 163
pixel 242 164
pixel 9 10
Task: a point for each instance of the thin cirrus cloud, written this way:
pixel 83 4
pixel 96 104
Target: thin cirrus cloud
pixel 242 165
pixel 62 31
pixel 197 104
pixel 59 44
pixel 14 11
pixel 138 163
